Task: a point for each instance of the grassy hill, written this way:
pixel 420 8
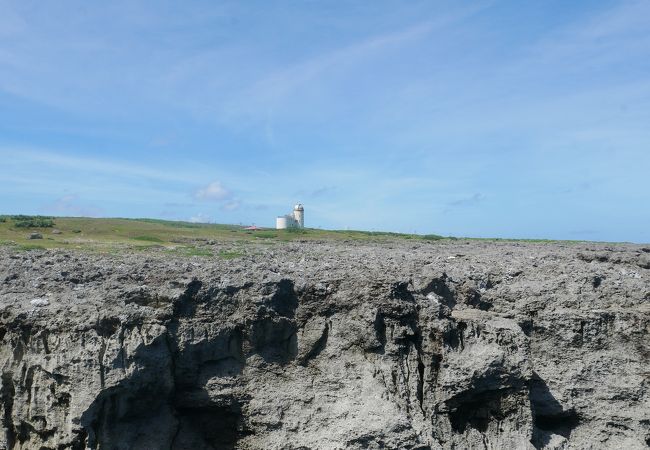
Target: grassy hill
pixel 114 235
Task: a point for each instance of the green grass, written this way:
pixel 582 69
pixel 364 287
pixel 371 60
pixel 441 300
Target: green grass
pixel 29 247
pixel 146 247
pixel 148 239
pixel 294 230
pixel 115 236
pixel 230 254
pixel 184 238
pixel 263 234
pixel 111 235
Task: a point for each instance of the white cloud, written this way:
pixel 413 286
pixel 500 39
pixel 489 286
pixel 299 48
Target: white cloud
pixel 214 191
pixel 231 205
pixel 200 218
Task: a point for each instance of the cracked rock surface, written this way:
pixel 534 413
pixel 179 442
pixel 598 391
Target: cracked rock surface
pixel 326 345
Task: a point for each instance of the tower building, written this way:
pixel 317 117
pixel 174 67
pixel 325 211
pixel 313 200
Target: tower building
pixel 299 215
pixel 294 220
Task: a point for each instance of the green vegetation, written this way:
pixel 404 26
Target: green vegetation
pixel 179 238
pixel 148 239
pixel 295 230
pixel 21 221
pixel 175 238
pixel 230 254
pixel 193 251
pixel 29 247
pixel 263 234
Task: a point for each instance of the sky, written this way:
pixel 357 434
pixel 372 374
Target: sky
pixel 482 119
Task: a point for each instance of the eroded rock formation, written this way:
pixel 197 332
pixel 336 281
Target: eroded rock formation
pixel 326 346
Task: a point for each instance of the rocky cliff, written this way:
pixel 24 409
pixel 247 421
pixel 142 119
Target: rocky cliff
pixel 328 346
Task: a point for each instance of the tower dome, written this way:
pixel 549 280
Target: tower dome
pixel 298 207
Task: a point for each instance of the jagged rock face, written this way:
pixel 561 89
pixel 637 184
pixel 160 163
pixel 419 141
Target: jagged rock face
pixel 328 346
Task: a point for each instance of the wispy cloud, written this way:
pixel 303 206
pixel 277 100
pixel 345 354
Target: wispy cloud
pixel 71 205
pixel 602 38
pixel 286 80
pixel 268 96
pixel 467 201
pixel 200 218
pixel 28 157
pixel 365 113
pixel 214 192
pixel 318 192
pixel 231 205
pixel 178 205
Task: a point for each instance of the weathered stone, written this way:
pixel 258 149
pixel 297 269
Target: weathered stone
pixel 327 346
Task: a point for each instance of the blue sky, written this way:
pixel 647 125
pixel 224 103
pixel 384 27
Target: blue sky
pixel 487 118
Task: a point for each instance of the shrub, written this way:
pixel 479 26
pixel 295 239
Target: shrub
pixel 22 221
pixel 432 237
pixel 3 219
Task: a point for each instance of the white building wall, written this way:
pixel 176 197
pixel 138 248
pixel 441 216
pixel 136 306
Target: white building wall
pixel 299 217
pixel 284 222
pixel 281 223
pixel 294 220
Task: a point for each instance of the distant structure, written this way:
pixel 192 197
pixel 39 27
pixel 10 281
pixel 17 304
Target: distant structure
pixel 293 220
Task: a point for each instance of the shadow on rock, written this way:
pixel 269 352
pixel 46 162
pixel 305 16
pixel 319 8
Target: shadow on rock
pixel 549 416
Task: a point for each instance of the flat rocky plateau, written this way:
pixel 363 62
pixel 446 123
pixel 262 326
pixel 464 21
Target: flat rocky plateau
pixel 328 345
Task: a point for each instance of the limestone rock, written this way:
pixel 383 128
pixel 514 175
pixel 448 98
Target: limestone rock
pixel 328 346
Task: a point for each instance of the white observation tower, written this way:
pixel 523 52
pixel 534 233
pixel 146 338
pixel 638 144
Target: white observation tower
pixel 299 215
pixel 294 220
